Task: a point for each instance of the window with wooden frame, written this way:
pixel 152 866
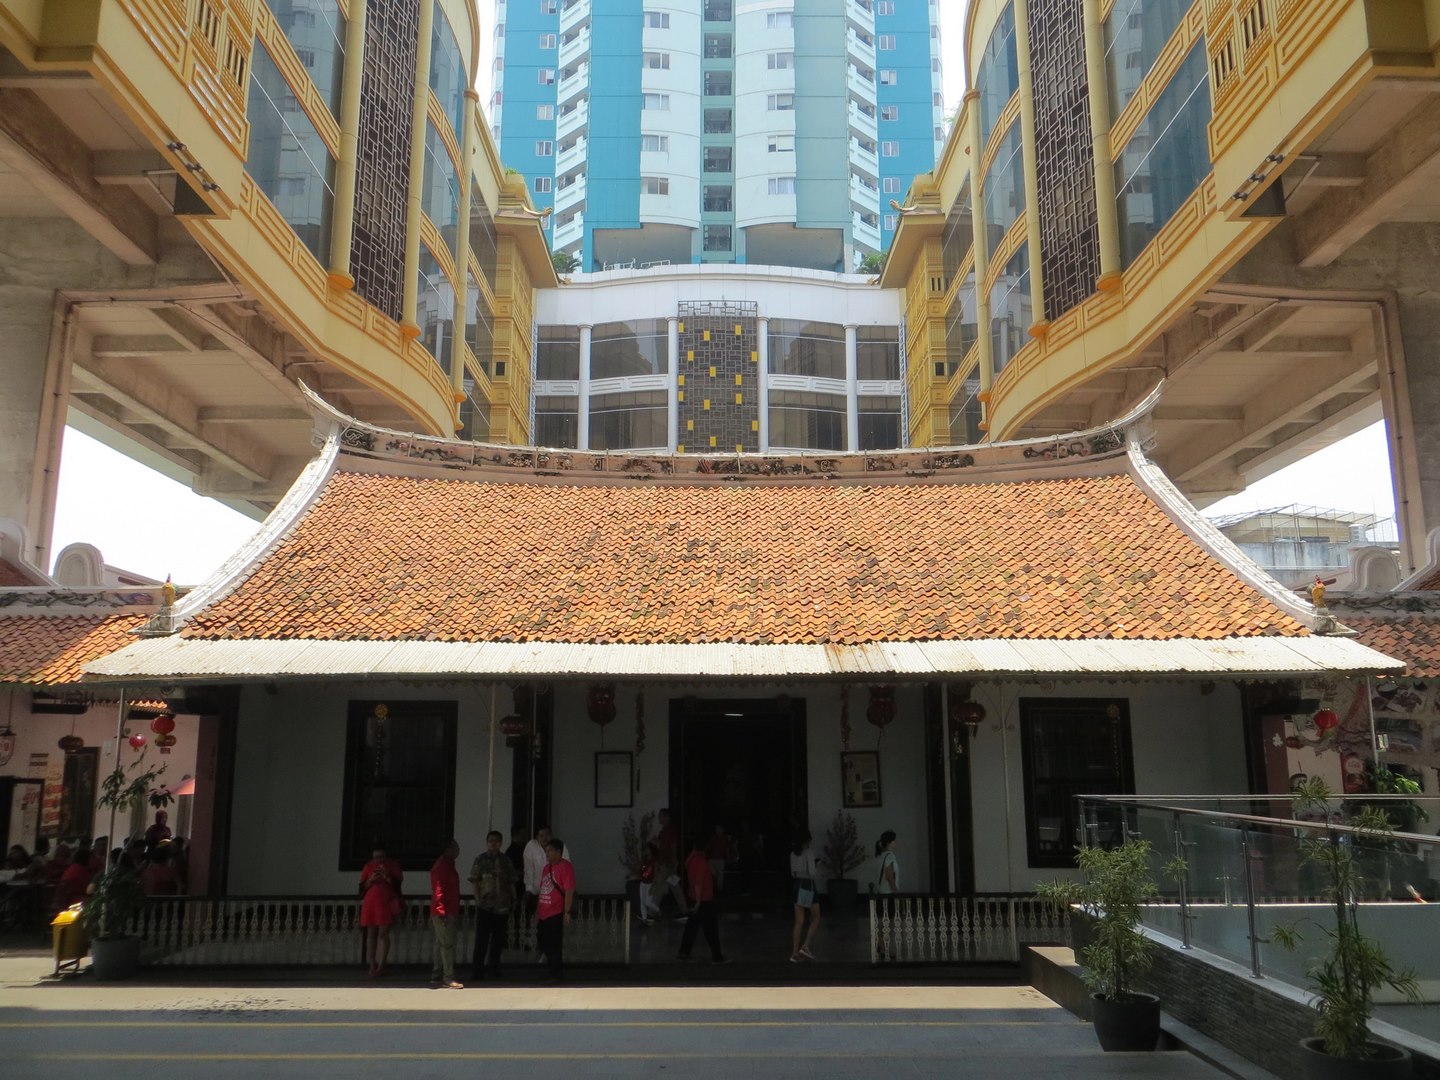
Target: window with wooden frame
pixel 1070 747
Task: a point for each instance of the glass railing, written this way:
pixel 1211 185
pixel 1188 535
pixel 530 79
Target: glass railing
pixel 1252 867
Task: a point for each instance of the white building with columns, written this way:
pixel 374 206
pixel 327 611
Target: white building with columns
pixel 724 357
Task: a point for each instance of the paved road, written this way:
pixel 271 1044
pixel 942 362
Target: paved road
pixel 81 1029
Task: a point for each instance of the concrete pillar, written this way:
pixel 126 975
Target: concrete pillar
pixel 582 425
pixel 672 417
pixel 852 391
pixel 409 327
pixel 34 388
pixel 762 336
pixel 342 214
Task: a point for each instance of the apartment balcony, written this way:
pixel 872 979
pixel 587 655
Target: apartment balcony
pixel 569 235
pixel 575 48
pixel 860 49
pixel 571 158
pixel 862 123
pixel 577 120
pixel 861 88
pixel 571 197
pixel 863 159
pixel 576 13
pixel 865 234
pixel 573 86
pixel 864 197
pixel 861 15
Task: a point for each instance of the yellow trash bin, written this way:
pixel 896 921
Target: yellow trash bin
pixel 71 942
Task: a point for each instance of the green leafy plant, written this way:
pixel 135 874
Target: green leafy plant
pixel 127 786
pixel 634 836
pixel 564 262
pixel 871 264
pixel 841 852
pixel 112 906
pixel 1346 976
pixel 1116 884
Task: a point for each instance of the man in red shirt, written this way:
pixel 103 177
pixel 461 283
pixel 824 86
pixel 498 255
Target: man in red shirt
pixel 702 904
pixel 445 916
pixel 552 907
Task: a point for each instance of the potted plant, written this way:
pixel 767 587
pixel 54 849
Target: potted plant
pixel 1116 883
pixel 116 897
pixel 634 837
pixel 840 854
pixel 1347 974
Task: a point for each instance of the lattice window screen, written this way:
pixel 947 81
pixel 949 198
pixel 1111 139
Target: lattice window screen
pixel 719 362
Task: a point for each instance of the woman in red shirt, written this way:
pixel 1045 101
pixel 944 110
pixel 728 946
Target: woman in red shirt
pixel 381 902
pixel 74 883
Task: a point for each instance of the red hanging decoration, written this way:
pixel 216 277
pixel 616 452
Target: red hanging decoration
pixel 71 743
pixel 165 742
pixel 512 727
pixel 971 714
pixel 137 741
pixel 163 724
pixel 1326 719
pixel 600 705
pixel 881 710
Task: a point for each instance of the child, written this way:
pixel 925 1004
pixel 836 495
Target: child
pixel 648 907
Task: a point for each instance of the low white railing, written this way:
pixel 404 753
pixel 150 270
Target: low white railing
pixel 961 929
pixel 248 931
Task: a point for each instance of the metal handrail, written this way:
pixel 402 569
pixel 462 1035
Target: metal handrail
pixel 1162 803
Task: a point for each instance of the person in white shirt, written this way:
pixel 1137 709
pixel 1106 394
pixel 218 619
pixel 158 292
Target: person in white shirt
pixel 534 859
pixel 802 879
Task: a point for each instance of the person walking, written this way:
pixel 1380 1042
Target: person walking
pixel 807 904
pixel 445 916
pixel 703 915
pixel 887 882
pixel 553 905
pixel 381 903
pixel 492 876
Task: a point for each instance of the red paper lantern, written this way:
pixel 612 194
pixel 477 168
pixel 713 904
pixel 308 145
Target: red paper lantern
pixel 512 727
pixel 1326 719
pixel 137 741
pixel 71 743
pixel 881 710
pixel 165 742
pixel 600 705
pixel 163 724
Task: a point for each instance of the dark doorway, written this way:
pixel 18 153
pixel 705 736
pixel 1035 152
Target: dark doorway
pixel 741 764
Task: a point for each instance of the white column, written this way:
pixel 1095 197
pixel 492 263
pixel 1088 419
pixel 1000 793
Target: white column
pixel 582 426
pixel 672 421
pixel 852 391
pixel 762 334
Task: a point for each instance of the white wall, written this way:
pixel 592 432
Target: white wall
pixel 1184 742
pixel 681 123
pixel 755 81
pixel 290 784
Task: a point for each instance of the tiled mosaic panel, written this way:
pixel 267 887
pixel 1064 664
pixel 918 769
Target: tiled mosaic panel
pixel 719 377
pixel 382 179
pixel 1069 234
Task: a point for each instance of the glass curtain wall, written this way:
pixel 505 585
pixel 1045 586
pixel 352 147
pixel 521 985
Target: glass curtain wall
pixel 557 354
pixel 1010 310
pixel 880 422
pixel 447 71
pixel 288 159
pixel 316 31
pixel 805 421
pixel 622 349
pixel 435 309
pixel 557 422
pixel 1004 187
pixel 877 353
pixel 962 325
pixel 815 350
pixel 480 330
pixel 630 421
pixel 1135 33
pixel 998 76
pixel 958 236
pixel 1167 157
pixel 440 196
pixel 965 415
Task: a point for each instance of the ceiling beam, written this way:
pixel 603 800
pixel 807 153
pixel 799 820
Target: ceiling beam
pixel 251 414
pixel 35 143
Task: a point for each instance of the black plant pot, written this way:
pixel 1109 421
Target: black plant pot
pixel 1132 1024
pixel 1389 1063
pixel 115 958
pixel 843 893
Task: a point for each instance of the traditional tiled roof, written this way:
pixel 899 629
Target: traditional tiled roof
pixel 430 558
pixel 1414 639
pixel 10 574
pixel 1428 584
pixel 50 650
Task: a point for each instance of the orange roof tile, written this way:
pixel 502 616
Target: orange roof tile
pixel 1428 584
pixel 10 574
pixel 1412 638
pixel 403 558
pixel 50 650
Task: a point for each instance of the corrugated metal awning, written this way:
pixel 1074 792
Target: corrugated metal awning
pixel 176 659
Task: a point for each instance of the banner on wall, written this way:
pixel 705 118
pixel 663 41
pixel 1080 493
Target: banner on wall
pixel 52 798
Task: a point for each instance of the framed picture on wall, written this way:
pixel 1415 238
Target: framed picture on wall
pixel 614 778
pixel 860 778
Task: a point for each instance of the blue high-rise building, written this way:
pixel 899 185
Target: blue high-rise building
pixel 697 131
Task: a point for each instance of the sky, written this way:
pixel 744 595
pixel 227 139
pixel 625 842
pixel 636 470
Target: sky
pixel 149 524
